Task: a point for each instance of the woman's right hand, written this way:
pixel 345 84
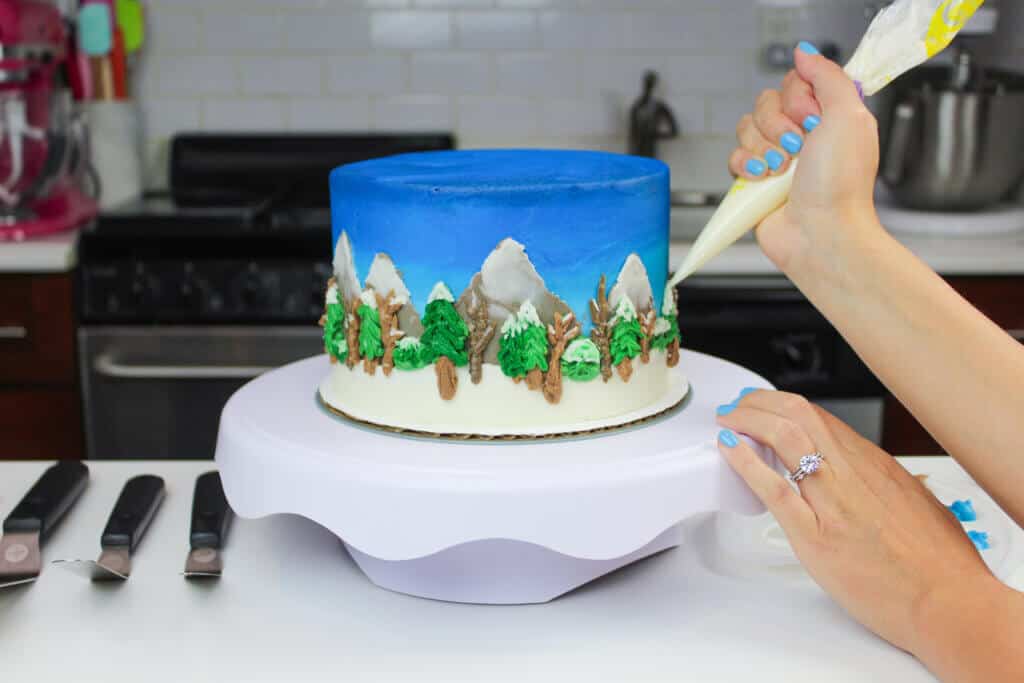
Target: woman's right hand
pixel 819 116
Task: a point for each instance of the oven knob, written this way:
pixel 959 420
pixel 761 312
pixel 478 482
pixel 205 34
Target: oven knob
pixel 799 353
pixel 144 288
pixel 252 291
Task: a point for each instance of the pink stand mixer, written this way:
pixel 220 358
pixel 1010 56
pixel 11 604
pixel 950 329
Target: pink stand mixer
pixel 43 149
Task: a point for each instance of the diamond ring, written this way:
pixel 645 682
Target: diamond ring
pixel 809 464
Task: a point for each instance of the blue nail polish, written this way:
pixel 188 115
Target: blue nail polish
pixel 748 390
pixel 728 438
pixel 755 167
pixel 811 122
pixel 725 408
pixel 774 159
pixel 791 142
pixel 808 48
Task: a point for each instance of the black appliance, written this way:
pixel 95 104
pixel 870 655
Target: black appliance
pixel 767 325
pixel 186 295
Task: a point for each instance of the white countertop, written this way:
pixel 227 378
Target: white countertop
pixel 292 607
pixel 51 254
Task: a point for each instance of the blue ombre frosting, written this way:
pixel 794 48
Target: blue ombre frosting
pixel 438 215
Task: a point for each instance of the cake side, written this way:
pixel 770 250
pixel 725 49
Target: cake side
pixel 504 350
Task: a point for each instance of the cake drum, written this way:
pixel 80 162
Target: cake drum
pixel 481 521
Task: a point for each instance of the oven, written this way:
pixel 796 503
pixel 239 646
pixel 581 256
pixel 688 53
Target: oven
pixel 185 296
pixel 767 325
pixel 157 392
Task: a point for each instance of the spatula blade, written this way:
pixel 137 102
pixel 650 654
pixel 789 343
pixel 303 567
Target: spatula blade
pixel 20 561
pixel 204 563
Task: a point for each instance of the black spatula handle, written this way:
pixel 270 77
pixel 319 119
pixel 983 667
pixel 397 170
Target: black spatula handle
pixel 211 514
pixel 133 511
pixel 48 499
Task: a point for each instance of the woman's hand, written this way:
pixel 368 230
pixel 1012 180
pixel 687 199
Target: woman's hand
pixel 866 530
pixel 818 116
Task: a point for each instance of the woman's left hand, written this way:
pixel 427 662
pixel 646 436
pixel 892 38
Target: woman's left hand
pixel 866 530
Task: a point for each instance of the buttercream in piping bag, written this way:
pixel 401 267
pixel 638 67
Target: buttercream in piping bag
pixel 903 35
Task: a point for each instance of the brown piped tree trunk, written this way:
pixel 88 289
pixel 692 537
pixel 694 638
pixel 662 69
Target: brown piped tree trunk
pixel 673 353
pixel 626 369
pixel 601 314
pixel 447 380
pixel 352 333
pixel 389 332
pixel 535 379
pixel 647 322
pixel 559 335
pixel 481 331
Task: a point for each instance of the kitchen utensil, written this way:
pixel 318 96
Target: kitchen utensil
pixel 132 23
pixel 34 518
pixel 95 29
pixel 211 518
pixel 134 510
pixel 953 140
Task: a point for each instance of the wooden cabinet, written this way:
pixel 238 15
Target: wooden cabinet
pixel 40 408
pixel 1002 300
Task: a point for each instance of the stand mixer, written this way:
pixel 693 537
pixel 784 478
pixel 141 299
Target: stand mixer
pixel 43 160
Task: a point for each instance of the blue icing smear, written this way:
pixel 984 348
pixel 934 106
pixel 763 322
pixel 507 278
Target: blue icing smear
pixel 964 510
pixel 438 215
pixel 980 539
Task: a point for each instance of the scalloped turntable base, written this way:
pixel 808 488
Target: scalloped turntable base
pixel 483 522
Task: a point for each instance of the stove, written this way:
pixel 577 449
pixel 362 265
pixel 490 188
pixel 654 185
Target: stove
pixel 187 294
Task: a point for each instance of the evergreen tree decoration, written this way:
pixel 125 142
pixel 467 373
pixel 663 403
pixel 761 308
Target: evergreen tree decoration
pixel 581 361
pixel 666 331
pixel 370 346
pixel 410 354
pixel 510 356
pixel 672 336
pixel 444 338
pixel 626 336
pixel 334 326
pixel 534 346
pixel 523 347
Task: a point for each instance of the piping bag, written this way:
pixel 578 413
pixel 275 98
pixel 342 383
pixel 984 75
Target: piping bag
pixel 902 35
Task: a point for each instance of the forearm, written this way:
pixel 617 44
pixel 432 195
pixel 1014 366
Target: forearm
pixel 972 633
pixel 959 374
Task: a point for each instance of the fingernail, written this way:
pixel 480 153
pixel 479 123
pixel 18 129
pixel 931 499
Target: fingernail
pixel 755 167
pixel 791 142
pixel 808 48
pixel 811 122
pixel 774 159
pixel 748 390
pixel 728 438
pixel 725 408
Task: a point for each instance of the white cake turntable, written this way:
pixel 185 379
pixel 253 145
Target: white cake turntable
pixel 481 521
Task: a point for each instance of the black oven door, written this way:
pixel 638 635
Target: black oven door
pixel 157 392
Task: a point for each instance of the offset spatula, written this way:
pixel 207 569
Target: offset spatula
pixel 131 516
pixel 211 517
pixel 34 518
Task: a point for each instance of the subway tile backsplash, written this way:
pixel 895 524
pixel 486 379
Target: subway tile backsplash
pixel 496 72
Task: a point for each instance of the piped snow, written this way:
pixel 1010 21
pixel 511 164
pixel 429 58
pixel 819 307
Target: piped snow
pixel 368 298
pixel 408 342
pixel 624 311
pixel 528 314
pixel 440 291
pixel 511 326
pixel 661 326
pixel 332 295
pixel 582 351
pixel 345 268
pixel 632 283
pixel 385 278
pixel 508 276
pixel 668 302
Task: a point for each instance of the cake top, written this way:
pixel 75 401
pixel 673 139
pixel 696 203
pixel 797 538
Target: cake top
pixel 501 170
